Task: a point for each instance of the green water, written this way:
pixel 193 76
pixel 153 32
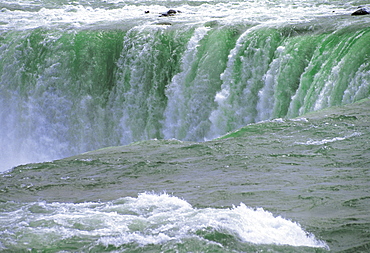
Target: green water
pixel 313 170
pixel 229 127
pixel 68 91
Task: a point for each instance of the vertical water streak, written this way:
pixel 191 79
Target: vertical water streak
pixel 242 79
pixel 53 93
pixel 132 85
pixel 341 73
pixel 179 108
pixel 148 61
pixel 266 96
pixel 284 74
pixel 315 76
pixel 33 96
pixel 332 68
pixel 359 86
pixel 191 92
pixel 355 80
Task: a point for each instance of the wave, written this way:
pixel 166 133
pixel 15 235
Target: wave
pixel 149 219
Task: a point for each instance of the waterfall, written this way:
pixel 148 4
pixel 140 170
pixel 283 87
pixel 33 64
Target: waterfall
pixel 67 91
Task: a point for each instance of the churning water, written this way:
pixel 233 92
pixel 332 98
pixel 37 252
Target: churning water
pixel 216 115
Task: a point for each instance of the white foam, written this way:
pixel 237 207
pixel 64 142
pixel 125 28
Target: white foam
pixel 328 140
pixel 31 14
pixel 150 219
pixel 299 120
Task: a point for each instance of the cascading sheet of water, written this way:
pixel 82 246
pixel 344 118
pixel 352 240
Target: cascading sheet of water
pixel 69 85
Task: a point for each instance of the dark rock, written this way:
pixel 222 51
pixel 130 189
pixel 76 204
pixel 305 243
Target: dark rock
pixel 163 23
pixel 169 13
pixel 361 11
pixel 173 12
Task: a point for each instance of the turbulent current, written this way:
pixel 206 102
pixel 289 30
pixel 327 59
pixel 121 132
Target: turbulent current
pixel 221 126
